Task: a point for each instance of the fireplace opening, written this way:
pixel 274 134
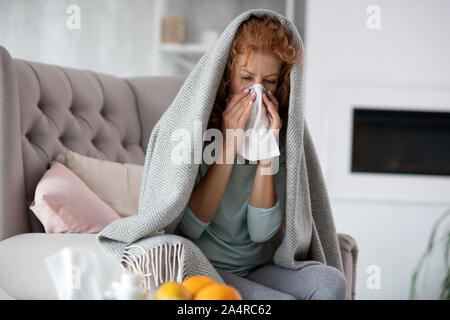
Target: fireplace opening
pixel 401 142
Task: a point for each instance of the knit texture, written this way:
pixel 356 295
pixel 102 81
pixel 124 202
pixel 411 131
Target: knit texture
pixel 307 234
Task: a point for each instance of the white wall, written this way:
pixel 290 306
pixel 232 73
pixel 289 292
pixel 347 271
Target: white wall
pixel 409 52
pixel 112 39
pixel 116 36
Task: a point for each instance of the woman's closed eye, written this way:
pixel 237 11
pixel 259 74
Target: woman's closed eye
pixel 247 78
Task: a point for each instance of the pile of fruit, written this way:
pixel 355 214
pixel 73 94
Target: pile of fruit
pixel 196 288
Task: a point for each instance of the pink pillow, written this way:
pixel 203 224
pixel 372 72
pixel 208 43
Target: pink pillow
pixel 64 203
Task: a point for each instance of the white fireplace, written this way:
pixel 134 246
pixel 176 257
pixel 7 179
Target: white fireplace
pixel 336 138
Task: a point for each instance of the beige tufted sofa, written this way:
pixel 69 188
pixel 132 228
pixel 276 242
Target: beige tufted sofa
pixel 45 109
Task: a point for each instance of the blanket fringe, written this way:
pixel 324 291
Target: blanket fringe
pixel 149 263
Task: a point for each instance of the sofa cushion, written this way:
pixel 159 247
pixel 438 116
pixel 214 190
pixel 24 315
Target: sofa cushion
pixel 22 266
pixel 27 277
pixel 118 184
pixel 63 203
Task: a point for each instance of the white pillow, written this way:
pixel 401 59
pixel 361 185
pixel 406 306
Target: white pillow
pixel 115 183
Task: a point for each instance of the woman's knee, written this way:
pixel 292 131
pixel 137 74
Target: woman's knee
pixel 311 282
pixel 251 290
pixel 331 284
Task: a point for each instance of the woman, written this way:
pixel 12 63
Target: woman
pixel 234 209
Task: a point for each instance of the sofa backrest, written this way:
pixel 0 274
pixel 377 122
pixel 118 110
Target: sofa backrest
pixel 45 109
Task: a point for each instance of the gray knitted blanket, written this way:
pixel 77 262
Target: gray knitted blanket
pixel 145 243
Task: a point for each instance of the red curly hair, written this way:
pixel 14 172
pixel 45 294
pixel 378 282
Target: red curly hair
pixel 266 35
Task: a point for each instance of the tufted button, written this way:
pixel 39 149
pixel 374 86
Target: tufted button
pixel 126 143
pixel 95 142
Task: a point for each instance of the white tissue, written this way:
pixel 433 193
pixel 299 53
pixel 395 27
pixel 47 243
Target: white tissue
pixel 78 274
pixel 259 142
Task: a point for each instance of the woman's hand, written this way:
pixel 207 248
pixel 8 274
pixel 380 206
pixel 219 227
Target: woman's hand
pixel 237 111
pixel 236 114
pixel 272 105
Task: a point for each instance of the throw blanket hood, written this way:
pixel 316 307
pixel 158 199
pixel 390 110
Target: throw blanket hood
pixel 145 243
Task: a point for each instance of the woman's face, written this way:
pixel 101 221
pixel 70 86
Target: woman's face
pixel 262 67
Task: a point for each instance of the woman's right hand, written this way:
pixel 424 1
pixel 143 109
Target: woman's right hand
pixel 236 114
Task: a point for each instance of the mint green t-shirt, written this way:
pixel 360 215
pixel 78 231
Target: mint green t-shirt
pixel 236 239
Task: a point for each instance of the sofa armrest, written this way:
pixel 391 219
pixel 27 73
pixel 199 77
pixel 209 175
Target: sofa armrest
pixel 349 253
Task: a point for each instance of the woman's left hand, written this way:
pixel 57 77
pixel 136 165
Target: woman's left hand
pixel 272 105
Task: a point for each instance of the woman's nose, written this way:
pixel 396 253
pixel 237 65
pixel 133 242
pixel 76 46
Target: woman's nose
pixel 256 82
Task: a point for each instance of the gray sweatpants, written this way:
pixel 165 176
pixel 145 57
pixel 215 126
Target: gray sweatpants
pixel 272 282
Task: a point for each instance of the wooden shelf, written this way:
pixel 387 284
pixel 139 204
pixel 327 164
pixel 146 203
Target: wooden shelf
pixel 184 53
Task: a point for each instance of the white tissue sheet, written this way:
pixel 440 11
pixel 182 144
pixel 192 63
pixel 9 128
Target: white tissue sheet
pixel 78 274
pixel 259 142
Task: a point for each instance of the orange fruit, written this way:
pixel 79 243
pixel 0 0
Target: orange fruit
pixel 195 283
pixel 218 292
pixel 172 290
